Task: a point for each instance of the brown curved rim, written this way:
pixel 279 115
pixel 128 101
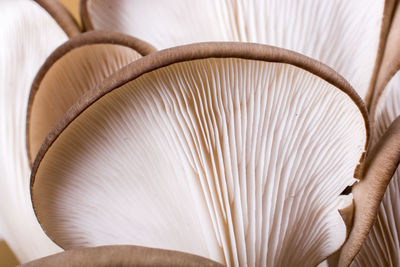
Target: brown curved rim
pixel 190 52
pixel 61 15
pixel 381 164
pixel 122 255
pixel 390 62
pixel 85 16
pixel 84 39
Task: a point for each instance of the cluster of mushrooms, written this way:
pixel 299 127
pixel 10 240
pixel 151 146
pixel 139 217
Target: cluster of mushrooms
pixel 201 132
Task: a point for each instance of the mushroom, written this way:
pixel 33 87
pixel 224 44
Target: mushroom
pixel 382 245
pixel 64 19
pixel 343 34
pixel 385 105
pixel 72 69
pixel 234 152
pixel 28 34
pixel 122 256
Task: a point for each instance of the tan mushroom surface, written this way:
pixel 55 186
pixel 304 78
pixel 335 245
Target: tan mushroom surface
pixel 121 256
pixel 234 152
pixel 344 34
pixel 76 67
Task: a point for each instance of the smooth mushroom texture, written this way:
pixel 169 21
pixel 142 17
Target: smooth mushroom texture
pixel 343 34
pixel 121 256
pixel 73 69
pixel 234 152
pixel 28 34
pixel 382 245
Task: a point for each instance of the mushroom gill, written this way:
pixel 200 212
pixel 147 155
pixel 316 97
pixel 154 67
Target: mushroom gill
pixel 344 34
pixel 234 152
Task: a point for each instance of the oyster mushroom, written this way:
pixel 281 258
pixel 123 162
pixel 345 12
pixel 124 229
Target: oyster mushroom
pixel 122 256
pixel 61 16
pixel 382 245
pixel 28 34
pixel 71 70
pixel 385 105
pixel 343 34
pixel 234 152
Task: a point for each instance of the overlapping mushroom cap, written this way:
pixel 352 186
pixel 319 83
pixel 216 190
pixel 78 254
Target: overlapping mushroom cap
pixel 343 34
pixel 234 152
pixel 382 245
pixel 28 34
pixel 74 68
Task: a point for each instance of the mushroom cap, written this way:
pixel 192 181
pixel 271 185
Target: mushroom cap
pixel 28 34
pixel 61 15
pixel 382 245
pixel 234 152
pixel 122 256
pixel 390 61
pixel 70 71
pixel 343 34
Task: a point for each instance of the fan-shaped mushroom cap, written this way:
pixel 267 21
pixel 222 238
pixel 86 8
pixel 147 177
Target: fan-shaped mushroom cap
pixel 234 152
pixel 122 256
pixel 74 68
pixel 28 34
pixel 343 34
pixel 382 245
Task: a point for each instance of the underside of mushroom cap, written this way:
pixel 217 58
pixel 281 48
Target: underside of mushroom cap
pixel 122 256
pixel 74 68
pixel 28 34
pixel 235 152
pixel 343 34
pixel 390 62
pixel 387 108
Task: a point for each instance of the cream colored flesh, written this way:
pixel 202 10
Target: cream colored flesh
pixel 239 161
pixel 342 34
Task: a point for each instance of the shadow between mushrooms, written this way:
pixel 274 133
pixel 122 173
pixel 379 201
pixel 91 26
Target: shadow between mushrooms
pixel 234 152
